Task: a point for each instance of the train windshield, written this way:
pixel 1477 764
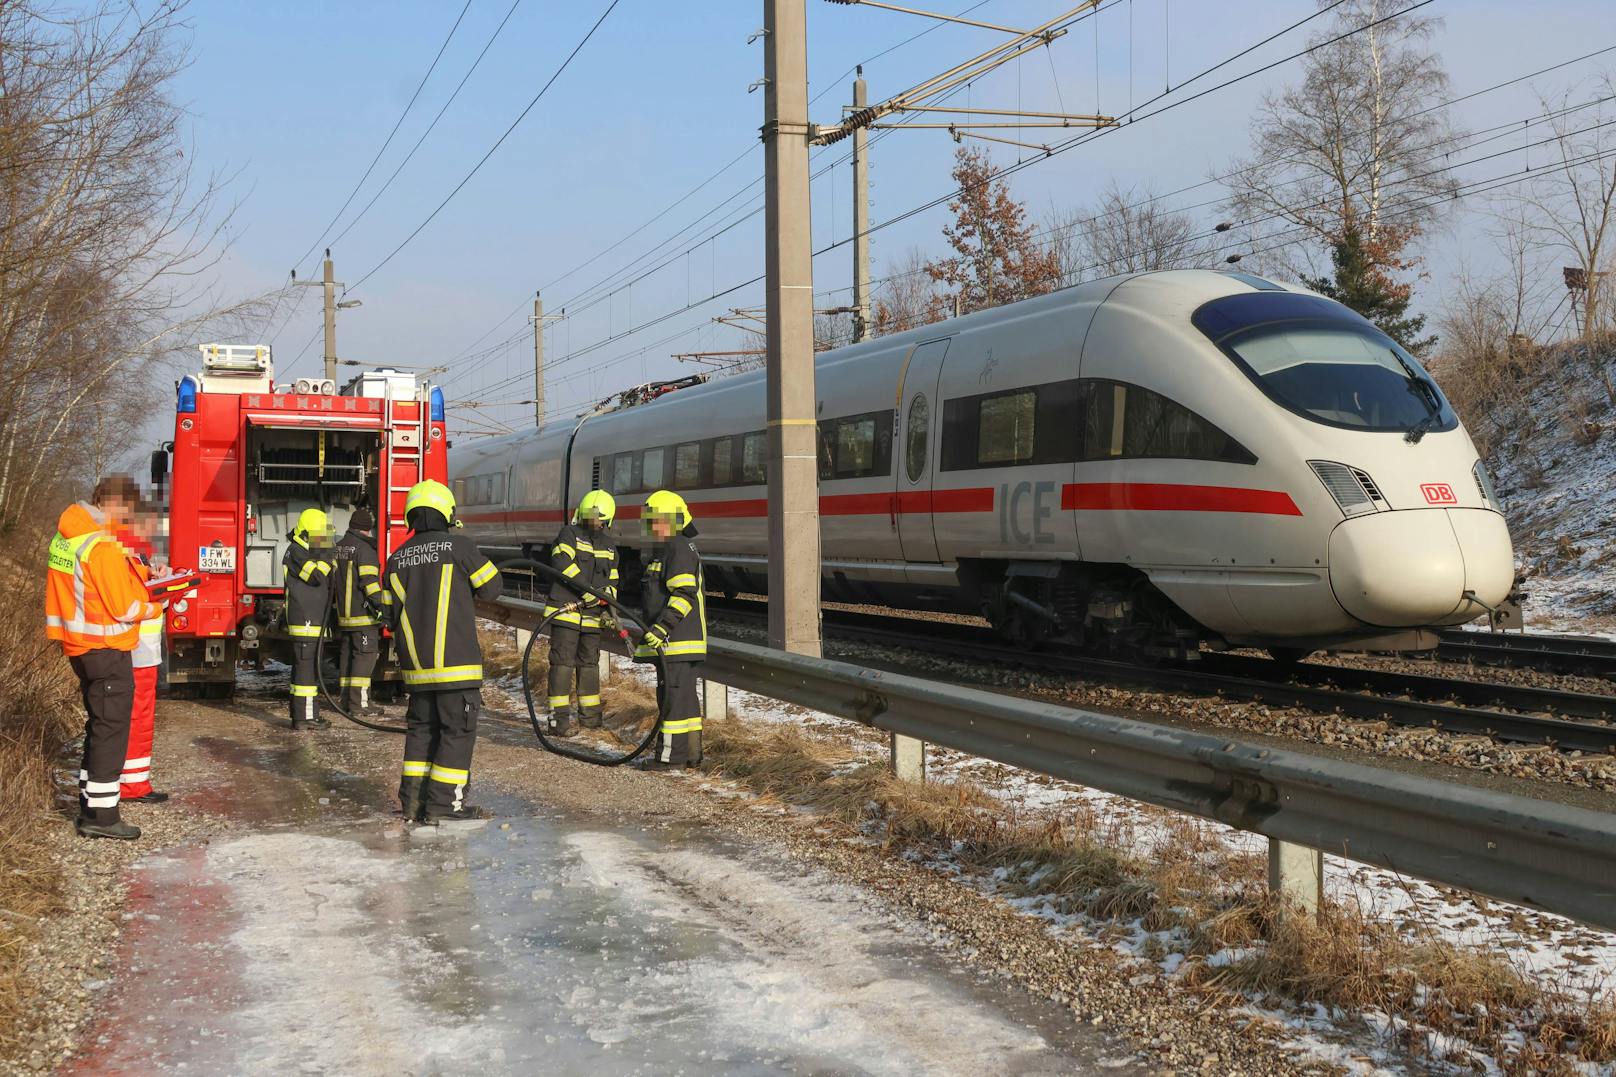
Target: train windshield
pixel 1322 361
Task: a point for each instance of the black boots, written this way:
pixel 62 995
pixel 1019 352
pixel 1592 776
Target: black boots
pixel 120 830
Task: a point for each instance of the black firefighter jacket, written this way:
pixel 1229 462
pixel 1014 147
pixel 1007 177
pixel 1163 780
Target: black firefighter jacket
pixel 308 589
pixel 433 581
pixel 588 559
pixel 359 585
pixel 674 592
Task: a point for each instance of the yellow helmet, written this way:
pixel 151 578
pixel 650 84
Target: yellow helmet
pixel 313 522
pixel 665 504
pixel 597 504
pixel 430 494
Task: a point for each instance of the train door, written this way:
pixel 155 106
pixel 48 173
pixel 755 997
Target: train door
pixel 918 434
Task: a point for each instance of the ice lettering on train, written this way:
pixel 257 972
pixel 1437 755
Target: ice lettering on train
pixel 1013 498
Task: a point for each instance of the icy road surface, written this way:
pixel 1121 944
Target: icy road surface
pixel 341 944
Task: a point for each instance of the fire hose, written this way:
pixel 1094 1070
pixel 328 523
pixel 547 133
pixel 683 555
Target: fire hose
pixel 527 679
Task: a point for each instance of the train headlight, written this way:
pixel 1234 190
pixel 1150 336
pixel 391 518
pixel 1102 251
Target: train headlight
pixel 1355 493
pixel 1484 483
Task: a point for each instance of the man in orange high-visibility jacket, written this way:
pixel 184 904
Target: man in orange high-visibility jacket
pixel 94 603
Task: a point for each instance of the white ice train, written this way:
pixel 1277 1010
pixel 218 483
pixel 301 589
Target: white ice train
pixel 1154 460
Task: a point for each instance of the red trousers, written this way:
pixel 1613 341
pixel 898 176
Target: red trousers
pixel 137 759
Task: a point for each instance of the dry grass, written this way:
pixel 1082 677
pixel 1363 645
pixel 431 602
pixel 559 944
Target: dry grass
pixel 41 714
pixel 1190 885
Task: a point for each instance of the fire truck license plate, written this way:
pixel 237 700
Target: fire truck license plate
pixel 216 559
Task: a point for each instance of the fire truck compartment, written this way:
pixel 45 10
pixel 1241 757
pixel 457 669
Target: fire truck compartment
pixel 290 469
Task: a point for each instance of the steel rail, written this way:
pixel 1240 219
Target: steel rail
pixel 979 644
pixel 1518 849
pixel 1558 654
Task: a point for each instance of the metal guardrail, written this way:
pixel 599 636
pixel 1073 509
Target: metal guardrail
pixel 1518 849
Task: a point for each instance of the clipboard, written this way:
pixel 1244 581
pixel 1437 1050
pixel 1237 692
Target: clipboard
pixel 176 582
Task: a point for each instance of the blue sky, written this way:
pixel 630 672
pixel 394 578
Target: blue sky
pixel 295 98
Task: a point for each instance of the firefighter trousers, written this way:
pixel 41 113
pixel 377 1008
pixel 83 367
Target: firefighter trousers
pixel 107 684
pixel 678 712
pixel 360 649
pixel 574 654
pixel 305 679
pixel 136 778
pixel 442 730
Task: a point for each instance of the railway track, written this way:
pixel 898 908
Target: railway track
pixel 1569 721
pixel 1577 655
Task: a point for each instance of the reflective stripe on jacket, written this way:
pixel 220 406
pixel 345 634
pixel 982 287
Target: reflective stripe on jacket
pixel 359 582
pixel 308 589
pixel 674 590
pixel 433 581
pixel 589 559
pixel 93 598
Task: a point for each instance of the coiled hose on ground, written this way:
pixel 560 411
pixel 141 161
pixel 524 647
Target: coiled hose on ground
pixel 534 720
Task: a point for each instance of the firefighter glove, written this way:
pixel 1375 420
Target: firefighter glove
pixel 656 637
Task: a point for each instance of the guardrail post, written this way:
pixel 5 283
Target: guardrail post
pixel 522 636
pixel 908 758
pixel 714 700
pixel 605 666
pixel 1296 875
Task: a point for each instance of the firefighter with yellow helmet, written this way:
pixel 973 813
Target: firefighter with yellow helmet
pixel 586 557
pixel 676 632
pixel 306 567
pixel 433 580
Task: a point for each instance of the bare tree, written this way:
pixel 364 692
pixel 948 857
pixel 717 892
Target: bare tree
pixel 1493 332
pixel 106 239
pixel 1354 144
pixel 905 297
pixel 1124 231
pixel 1572 210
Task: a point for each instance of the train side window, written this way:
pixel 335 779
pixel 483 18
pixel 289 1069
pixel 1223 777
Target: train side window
pixel 856 446
pixel 651 469
pixel 1105 407
pixel 623 473
pixel 1132 422
pixel 1159 427
pixel 1005 429
pixel 914 453
pixel 687 466
pixel 755 459
pixel 723 461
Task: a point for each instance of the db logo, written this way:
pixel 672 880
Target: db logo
pixel 1438 493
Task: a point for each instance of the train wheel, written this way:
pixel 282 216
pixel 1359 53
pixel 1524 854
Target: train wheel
pixel 1288 656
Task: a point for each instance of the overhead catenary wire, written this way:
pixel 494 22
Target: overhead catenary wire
pixel 750 186
pixel 433 125
pixel 1470 188
pixel 1142 113
pixel 389 139
pixel 491 150
pixel 1066 145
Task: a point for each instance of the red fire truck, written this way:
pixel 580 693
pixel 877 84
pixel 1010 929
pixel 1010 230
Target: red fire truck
pixel 247 457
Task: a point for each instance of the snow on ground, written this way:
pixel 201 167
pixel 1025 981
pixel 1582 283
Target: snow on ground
pixel 1559 493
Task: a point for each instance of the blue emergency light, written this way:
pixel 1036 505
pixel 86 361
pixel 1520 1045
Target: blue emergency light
pixel 188 388
pixel 437 404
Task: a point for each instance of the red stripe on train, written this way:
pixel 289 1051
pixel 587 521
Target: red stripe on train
pixel 979 499
pixel 1171 497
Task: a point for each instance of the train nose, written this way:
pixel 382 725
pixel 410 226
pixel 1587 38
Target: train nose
pixel 1413 567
